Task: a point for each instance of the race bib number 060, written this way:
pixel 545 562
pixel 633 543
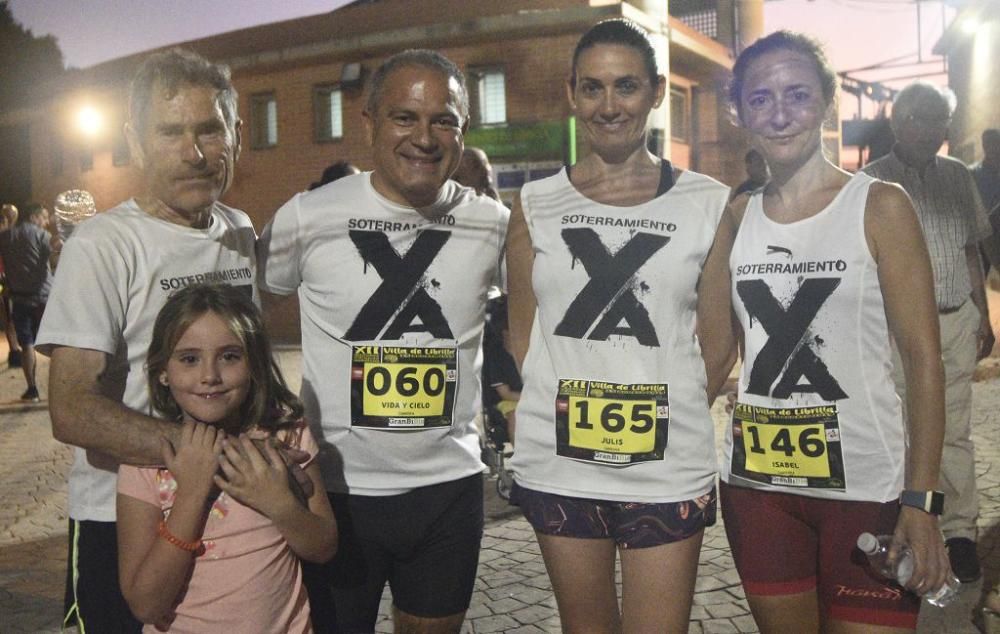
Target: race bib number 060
pixel 403 387
pixel 611 423
pixel 797 446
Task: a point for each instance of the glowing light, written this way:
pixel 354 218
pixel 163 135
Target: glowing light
pixel 89 121
pixel 969 26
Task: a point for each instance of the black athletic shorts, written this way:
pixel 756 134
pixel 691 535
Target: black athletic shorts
pixel 94 601
pixel 424 543
pixel 26 319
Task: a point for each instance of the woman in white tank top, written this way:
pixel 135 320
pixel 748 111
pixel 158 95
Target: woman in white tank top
pixel 821 268
pixel 614 448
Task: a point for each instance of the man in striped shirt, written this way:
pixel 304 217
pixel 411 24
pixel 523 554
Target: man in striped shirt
pixel 954 223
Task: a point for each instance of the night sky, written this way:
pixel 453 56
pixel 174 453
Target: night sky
pixel 857 33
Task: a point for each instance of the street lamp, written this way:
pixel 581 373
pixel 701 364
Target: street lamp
pixel 89 121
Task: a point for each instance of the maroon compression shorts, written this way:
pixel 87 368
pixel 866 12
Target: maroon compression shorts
pixel 788 544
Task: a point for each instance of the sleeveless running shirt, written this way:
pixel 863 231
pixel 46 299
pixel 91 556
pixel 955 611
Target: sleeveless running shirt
pixel 613 405
pixel 817 413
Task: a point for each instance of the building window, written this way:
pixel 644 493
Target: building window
pixel 654 142
pixel 56 155
pixel 263 120
pixel 86 160
pixel 489 101
pixel 328 105
pixel 120 155
pixel 679 128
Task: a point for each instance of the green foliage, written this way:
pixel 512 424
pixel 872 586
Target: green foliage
pixel 25 60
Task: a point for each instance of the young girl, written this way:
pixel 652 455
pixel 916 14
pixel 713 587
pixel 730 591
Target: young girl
pixel 209 543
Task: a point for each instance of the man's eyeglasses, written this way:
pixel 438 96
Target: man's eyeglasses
pixel 927 122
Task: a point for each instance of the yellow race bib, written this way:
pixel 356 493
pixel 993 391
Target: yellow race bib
pixel 611 423
pixel 797 446
pixel 398 387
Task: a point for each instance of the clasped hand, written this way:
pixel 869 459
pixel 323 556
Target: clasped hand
pixel 255 478
pixel 194 460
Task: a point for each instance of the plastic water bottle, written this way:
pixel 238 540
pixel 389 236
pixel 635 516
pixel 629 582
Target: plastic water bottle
pixel 877 551
pixel 73 207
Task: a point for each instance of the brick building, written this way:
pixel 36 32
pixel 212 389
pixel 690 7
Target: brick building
pixel 301 93
pixel 971 44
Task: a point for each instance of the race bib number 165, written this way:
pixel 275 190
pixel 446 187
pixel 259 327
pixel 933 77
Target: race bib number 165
pixel 611 423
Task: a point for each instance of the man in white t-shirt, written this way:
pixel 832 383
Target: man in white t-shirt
pixel 115 274
pixel 392 269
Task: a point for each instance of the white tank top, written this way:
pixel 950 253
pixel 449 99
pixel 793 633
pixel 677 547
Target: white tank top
pixel 817 413
pixel 613 405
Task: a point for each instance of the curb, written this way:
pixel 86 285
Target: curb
pixel 18 407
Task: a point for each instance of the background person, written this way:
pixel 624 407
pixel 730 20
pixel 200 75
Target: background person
pixel 8 218
pixel 954 225
pixel 816 453
pixel 756 173
pixel 392 269
pixel 335 171
pixel 986 173
pixel 25 250
pixel 502 383
pixel 119 268
pixel 475 171
pixel 604 261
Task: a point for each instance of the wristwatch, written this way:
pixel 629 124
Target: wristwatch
pixel 930 501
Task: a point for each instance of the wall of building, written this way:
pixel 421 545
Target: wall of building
pixel 971 74
pixel 290 59
pixel 58 151
pixel 266 178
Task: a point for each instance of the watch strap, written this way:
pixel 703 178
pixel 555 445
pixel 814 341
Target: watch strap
pixel 929 501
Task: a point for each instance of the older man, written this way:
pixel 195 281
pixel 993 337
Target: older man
pixel 25 250
pixel 115 274
pixel 392 268
pixel 954 223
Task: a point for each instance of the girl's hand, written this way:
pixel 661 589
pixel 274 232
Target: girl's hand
pixel 194 460
pixel 298 481
pixel 259 480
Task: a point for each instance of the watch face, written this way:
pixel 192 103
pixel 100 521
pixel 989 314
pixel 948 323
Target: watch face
pixel 937 502
pixel 930 501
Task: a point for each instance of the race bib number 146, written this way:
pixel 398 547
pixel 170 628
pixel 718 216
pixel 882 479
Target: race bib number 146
pixel 795 446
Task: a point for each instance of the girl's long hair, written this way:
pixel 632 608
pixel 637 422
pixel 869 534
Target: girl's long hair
pixel 269 405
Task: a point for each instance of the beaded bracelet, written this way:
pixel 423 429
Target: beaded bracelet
pixel 195 547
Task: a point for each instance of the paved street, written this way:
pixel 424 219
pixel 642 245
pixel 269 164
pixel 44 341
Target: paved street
pixel 512 592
